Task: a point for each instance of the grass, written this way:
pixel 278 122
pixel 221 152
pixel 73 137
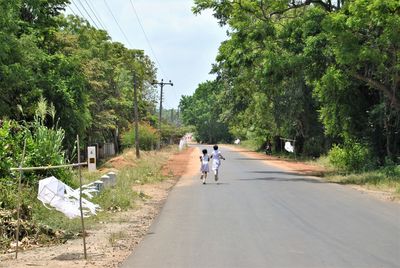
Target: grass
pixel 145 170
pixel 379 180
pixel 115 237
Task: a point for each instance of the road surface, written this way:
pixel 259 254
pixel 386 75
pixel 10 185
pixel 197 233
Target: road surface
pixel 261 216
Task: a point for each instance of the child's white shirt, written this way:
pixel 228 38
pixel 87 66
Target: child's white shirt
pixel 204 163
pixel 216 156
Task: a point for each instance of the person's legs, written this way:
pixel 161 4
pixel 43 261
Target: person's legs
pixel 216 174
pixel 204 177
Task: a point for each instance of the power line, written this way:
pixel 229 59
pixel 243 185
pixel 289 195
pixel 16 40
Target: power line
pixel 126 38
pixel 145 36
pixel 79 1
pixel 78 9
pixel 148 42
pixel 95 15
pixel 73 12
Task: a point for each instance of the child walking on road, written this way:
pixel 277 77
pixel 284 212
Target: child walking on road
pixel 216 156
pixel 204 168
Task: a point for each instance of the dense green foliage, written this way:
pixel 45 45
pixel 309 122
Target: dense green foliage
pixel 46 57
pixel 352 156
pixel 320 72
pixel 87 77
pixel 43 147
pixel 202 111
pixel 148 137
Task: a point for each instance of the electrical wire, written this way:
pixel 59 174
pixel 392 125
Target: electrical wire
pixel 95 24
pixel 123 33
pixel 148 42
pixel 78 9
pixel 145 36
pixel 73 12
pixel 95 15
pixel 102 24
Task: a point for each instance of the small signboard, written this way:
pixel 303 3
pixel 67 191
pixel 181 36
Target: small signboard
pixel 91 158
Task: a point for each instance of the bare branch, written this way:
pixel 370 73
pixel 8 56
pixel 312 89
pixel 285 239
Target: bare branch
pixel 381 87
pixel 327 6
pixel 252 12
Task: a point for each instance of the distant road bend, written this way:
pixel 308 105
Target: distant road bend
pixel 261 216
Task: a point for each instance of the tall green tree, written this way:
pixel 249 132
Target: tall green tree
pixel 202 111
pixel 321 71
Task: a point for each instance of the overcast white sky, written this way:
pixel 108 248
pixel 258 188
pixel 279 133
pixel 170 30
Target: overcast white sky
pixel 184 44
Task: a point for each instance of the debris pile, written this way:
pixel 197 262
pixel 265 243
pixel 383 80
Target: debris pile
pixel 30 234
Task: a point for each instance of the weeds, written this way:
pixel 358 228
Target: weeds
pixel 115 237
pixel 120 197
pixel 377 180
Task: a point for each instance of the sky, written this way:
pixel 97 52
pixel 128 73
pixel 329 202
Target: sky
pixel 182 45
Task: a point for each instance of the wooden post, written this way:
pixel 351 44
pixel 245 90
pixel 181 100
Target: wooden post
pixel 19 200
pixel 80 198
pixel 136 114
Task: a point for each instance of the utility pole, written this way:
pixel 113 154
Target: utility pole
pixel 136 117
pixel 162 84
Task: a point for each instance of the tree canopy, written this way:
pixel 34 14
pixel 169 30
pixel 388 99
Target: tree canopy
pixel 76 67
pixel 323 72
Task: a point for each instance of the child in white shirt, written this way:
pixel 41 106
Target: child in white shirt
pixel 216 156
pixel 204 168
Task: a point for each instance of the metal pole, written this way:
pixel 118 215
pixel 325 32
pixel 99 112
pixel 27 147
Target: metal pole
pixel 160 115
pixel 160 112
pixel 80 198
pixel 136 118
pixel 19 200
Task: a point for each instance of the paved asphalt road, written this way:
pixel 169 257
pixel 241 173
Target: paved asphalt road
pixel 261 216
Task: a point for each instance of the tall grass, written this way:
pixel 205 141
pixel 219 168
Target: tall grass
pixel 120 197
pixel 385 179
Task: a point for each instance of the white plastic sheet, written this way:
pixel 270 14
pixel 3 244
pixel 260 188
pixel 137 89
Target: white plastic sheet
pixel 63 198
pixel 289 147
pixel 182 144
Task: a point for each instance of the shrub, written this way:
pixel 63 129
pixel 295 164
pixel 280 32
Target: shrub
pixel 43 148
pixel 314 146
pixel 10 147
pixel 352 156
pixel 148 137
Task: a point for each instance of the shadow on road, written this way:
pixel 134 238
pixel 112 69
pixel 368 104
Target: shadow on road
pixel 215 183
pixel 245 158
pixel 309 180
pixel 240 151
pixel 274 172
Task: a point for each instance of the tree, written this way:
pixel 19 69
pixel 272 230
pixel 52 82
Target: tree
pixel 201 111
pixel 322 71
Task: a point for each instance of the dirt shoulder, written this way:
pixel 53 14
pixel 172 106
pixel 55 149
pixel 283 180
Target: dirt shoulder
pixel 113 240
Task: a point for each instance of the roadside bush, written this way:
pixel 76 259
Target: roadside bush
pixel 148 137
pixel 314 146
pixel 10 147
pixel 253 144
pixel 351 157
pixel 43 148
pixel 391 169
